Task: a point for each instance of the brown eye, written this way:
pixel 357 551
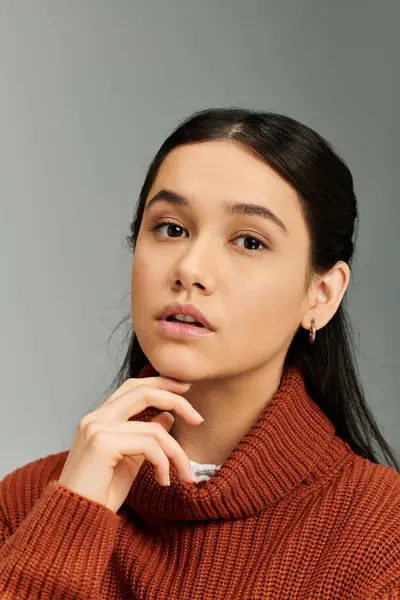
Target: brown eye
pixel 172 228
pixel 254 241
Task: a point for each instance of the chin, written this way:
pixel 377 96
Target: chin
pixel 177 366
pixel 175 371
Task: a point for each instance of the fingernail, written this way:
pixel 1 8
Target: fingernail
pixel 198 416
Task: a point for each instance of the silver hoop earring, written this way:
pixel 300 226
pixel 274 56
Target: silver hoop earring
pixel 313 332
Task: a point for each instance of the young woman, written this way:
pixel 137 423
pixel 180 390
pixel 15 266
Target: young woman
pixel 243 241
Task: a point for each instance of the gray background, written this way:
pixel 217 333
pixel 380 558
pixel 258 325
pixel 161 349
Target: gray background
pixel 88 91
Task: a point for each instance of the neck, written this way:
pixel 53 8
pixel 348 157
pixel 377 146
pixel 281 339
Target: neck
pixel 230 407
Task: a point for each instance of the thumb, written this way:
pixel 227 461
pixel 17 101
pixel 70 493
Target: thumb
pixel 165 419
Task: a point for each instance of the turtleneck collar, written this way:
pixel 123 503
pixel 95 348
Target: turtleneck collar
pixel 292 444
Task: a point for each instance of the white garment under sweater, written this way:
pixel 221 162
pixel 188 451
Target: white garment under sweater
pixel 203 471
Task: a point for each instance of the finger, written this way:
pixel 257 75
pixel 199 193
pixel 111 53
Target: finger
pixel 166 383
pixel 143 396
pixel 155 428
pixel 138 448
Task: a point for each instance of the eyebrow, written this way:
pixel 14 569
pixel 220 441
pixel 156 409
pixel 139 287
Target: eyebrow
pixel 231 208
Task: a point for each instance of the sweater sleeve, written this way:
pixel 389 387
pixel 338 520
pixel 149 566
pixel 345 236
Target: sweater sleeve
pixel 61 548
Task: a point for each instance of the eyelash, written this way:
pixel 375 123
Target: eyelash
pixel 159 224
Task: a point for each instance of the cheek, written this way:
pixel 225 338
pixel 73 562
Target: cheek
pixel 144 270
pixel 263 308
pixel 142 283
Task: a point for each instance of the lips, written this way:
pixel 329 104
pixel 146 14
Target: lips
pixel 189 309
pixel 180 329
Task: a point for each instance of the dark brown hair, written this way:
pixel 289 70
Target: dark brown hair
pixel 325 189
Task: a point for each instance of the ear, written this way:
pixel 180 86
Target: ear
pixel 327 295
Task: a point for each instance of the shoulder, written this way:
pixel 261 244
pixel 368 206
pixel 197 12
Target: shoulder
pixel 372 485
pixel 20 489
pixel 367 496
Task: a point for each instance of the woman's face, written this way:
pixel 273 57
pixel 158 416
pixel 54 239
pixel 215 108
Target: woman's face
pixel 242 270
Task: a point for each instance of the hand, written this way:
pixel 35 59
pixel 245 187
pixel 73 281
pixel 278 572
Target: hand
pixel 108 450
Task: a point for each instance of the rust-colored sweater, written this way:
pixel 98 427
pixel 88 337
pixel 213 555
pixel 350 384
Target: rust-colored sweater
pixel 292 514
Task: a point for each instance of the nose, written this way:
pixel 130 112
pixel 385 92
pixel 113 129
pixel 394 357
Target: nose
pixel 196 267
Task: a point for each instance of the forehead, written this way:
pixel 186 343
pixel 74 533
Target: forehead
pixel 210 173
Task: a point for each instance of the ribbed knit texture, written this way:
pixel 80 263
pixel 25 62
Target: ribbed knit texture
pixel 292 514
